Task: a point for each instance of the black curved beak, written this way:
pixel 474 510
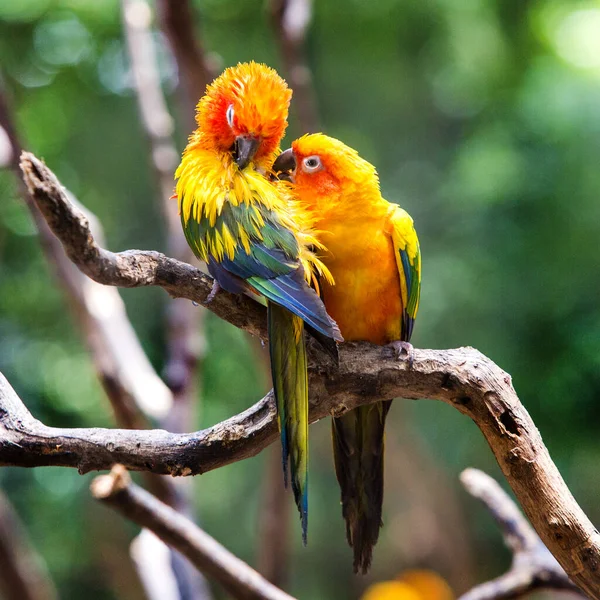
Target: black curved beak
pixel 245 149
pixel 285 163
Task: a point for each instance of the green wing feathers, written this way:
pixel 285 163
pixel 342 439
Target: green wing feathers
pixel 358 448
pixel 408 259
pixel 290 385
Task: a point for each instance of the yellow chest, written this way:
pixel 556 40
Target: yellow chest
pixel 366 298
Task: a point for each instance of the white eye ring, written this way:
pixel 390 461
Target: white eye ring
pixel 312 164
pixel 229 115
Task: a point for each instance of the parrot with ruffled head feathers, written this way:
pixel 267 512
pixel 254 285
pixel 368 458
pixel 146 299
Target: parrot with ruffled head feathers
pixel 249 231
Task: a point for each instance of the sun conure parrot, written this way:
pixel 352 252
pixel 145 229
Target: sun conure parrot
pixel 243 226
pixel 373 255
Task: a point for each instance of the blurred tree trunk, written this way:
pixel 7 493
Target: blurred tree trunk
pixel 23 574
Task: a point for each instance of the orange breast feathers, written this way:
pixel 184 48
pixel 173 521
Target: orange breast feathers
pixel 340 191
pixel 366 299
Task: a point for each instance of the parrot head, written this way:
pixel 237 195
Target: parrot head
pixel 244 111
pixel 326 171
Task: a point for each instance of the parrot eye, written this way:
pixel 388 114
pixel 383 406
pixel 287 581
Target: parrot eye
pixel 311 164
pixel 229 115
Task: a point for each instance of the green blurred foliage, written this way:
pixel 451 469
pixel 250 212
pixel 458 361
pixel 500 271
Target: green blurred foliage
pixel 482 117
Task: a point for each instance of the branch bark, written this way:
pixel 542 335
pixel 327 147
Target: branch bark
pixel 463 378
pixel 533 567
pixel 241 581
pixel 130 268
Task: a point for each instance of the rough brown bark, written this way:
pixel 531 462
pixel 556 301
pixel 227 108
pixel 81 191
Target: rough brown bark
pixel 130 268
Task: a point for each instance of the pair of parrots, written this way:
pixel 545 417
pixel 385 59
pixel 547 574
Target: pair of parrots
pixel 326 251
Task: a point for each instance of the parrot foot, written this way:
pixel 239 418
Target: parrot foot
pixel 216 288
pixel 401 349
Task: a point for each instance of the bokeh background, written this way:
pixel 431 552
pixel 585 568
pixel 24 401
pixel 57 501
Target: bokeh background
pixel 483 118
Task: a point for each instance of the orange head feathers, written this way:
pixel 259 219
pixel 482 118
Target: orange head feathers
pixel 245 110
pixel 327 172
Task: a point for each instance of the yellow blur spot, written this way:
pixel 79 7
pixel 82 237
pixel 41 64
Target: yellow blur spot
pixel 391 590
pixel 416 584
pixel 428 584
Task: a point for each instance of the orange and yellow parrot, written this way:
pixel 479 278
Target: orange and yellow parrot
pixel 373 255
pixel 242 225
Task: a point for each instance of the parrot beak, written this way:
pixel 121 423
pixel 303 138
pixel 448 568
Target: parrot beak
pixel 245 149
pixel 285 164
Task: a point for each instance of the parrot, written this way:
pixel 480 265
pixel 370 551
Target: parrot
pixel 373 254
pixel 245 227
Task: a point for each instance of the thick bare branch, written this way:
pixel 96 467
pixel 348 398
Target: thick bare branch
pixel 240 580
pixel 463 378
pixel 533 567
pixel 23 575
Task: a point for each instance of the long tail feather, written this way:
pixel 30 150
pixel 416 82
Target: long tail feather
pixel 358 440
pixel 290 384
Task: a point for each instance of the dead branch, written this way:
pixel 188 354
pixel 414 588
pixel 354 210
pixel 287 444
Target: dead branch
pixel 203 551
pixel 463 378
pixel 23 575
pixel 290 21
pixel 533 567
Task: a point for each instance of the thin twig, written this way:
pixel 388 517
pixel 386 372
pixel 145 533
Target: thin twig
pixel 23 575
pixel 533 567
pixel 291 19
pixel 463 378
pixel 203 551
pixel 195 70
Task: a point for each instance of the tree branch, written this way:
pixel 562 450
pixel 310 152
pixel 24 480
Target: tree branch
pixel 240 580
pixel 463 378
pixel 290 20
pixel 130 268
pixel 533 567
pixel 23 575
pixel 135 391
pixel 195 69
